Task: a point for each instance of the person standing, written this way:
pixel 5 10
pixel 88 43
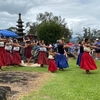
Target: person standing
pixel 80 54
pixel 16 54
pixel 9 56
pixel 28 50
pixel 42 57
pixel 60 58
pixel 52 67
pixel 97 50
pixel 76 50
pixel 3 60
pixel 87 62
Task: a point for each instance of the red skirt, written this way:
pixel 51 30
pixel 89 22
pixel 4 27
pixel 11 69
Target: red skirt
pixel 9 57
pixel 3 60
pixel 42 58
pixel 16 58
pixel 87 62
pixel 28 52
pixel 52 65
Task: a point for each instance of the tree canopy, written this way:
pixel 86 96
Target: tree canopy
pixel 52 28
pixel 90 33
pixel 13 29
pixel 49 31
pixel 49 28
pixel 32 27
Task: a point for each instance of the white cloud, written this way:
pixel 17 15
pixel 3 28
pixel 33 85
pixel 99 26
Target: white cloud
pixel 78 13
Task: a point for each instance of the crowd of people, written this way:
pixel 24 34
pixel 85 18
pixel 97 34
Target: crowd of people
pixel 55 56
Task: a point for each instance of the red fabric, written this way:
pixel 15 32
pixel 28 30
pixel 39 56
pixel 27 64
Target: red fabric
pixel 52 65
pixel 87 62
pixel 28 52
pixel 42 58
pixel 16 58
pixel 9 57
pixel 3 60
pixel 70 44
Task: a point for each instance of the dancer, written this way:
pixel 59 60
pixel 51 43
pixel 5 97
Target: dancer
pixel 80 54
pixel 97 51
pixel 87 62
pixel 76 50
pixel 60 58
pixel 16 54
pixel 3 60
pixel 28 49
pixel 52 64
pixel 42 57
pixel 9 56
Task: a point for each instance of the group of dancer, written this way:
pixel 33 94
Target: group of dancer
pixel 55 60
pixel 58 60
pixel 10 55
pixel 9 52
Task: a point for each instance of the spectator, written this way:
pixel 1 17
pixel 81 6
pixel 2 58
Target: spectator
pixel 97 51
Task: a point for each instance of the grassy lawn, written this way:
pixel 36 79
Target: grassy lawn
pixel 71 84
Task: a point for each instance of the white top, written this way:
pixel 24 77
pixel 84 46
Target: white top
pixel 1 44
pixel 16 48
pixel 9 47
pixel 87 49
pixel 50 57
pixel 43 49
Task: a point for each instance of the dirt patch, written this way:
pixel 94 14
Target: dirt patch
pixel 22 83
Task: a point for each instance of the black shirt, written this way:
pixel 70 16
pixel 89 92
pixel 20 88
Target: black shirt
pixel 60 49
pixel 81 49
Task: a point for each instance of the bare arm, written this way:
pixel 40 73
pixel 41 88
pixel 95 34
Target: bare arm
pixel 43 46
pixel 17 45
pixel 66 46
pixel 2 39
pixel 92 47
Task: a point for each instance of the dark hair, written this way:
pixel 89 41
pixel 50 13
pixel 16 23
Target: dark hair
pixel 86 39
pixel 28 42
pixel 80 42
pixel 14 40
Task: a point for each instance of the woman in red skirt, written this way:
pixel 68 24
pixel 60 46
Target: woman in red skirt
pixel 52 67
pixel 42 57
pixel 3 60
pixel 16 54
pixel 87 62
pixel 28 49
pixel 9 55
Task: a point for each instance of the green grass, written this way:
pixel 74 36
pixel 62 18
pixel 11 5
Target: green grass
pixel 71 84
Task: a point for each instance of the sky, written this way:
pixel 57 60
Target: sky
pixel 77 13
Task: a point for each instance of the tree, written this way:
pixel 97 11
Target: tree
pixel 79 37
pixel 32 27
pixel 49 31
pixel 13 29
pixel 52 28
pixel 90 33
